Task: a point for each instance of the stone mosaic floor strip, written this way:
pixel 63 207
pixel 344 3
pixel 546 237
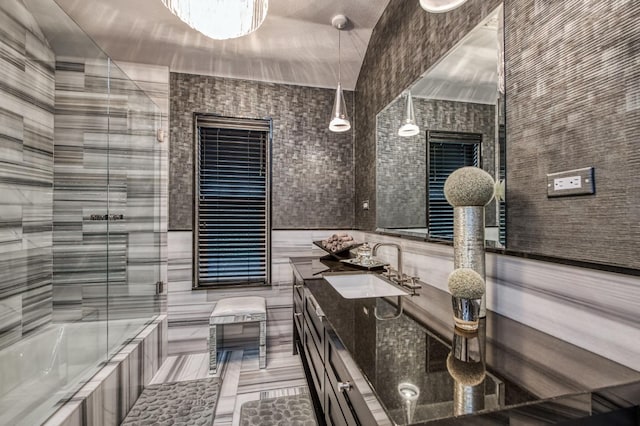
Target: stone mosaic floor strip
pixel 179 403
pixel 292 410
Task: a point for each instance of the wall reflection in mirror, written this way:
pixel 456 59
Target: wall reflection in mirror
pixel 458 107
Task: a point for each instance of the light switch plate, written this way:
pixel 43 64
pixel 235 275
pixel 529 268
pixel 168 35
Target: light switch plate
pixel 571 182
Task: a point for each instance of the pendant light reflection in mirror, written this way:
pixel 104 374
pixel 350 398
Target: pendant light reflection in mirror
pixel 409 126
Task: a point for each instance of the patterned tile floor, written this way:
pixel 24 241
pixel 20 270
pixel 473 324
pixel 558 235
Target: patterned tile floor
pixel 242 380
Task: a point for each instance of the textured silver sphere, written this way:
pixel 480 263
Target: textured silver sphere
pixel 466 283
pixel 469 186
pixel 466 373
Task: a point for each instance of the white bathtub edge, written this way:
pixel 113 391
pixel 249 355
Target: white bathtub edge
pixel 87 406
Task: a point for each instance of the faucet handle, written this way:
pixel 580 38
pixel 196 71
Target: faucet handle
pixel 413 282
pixel 389 271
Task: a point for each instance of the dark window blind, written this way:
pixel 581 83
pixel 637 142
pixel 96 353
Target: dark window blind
pixel 232 211
pixel 448 151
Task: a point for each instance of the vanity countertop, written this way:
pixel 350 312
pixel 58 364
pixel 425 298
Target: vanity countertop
pixel 524 370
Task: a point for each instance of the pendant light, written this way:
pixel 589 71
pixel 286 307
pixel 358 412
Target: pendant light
pixel 339 118
pixel 440 6
pixel 409 126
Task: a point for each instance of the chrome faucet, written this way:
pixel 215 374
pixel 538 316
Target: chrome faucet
pixel 401 279
pixel 374 251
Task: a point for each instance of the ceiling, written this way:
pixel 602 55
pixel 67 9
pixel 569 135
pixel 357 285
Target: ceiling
pixel 296 44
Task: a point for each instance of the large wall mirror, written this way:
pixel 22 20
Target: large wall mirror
pixel 458 107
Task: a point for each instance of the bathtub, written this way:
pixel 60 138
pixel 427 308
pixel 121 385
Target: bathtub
pixel 41 372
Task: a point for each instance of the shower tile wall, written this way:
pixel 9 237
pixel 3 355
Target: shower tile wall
pixel 104 138
pixel 26 174
pixel 402 172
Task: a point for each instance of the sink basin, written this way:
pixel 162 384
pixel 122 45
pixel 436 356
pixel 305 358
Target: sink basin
pixel 361 286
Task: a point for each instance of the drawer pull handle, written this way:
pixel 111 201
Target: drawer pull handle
pixel 344 386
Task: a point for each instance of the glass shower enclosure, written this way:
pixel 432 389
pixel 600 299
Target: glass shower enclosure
pixel 81 222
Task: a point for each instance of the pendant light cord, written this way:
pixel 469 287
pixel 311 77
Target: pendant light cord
pixel 339 57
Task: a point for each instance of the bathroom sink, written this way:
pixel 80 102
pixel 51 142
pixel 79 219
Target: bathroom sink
pixel 361 286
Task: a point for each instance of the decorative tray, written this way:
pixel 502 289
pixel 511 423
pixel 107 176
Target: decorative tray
pixel 340 254
pixel 374 264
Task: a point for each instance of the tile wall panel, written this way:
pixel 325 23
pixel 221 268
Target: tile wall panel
pixel 106 149
pixel 26 173
pixel 189 310
pixel 312 168
pixel 573 86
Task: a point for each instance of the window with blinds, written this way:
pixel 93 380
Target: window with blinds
pixel 232 229
pixel 447 152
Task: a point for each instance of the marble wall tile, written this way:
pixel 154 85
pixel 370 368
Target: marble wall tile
pixel 111 149
pixel 189 310
pixel 592 309
pixel 26 173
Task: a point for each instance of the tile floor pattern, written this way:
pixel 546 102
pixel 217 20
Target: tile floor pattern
pixel 241 378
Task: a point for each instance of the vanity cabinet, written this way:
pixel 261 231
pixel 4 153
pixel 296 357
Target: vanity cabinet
pixel 298 316
pixel 313 344
pixel 340 389
pixel 321 351
pixel 366 366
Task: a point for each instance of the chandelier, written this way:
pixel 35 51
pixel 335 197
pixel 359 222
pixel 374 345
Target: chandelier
pixel 440 6
pixel 220 19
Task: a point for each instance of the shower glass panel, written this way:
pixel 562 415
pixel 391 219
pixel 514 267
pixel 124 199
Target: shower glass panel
pixel 79 209
pixel 134 225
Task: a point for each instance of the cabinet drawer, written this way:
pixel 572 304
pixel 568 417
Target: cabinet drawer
pixel 351 402
pixel 297 310
pixel 312 317
pixel 314 361
pixel 332 412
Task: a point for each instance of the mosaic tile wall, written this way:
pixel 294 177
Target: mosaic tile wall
pixel 401 166
pixel 573 88
pixel 405 43
pixel 26 173
pixel 312 168
pixel 107 162
pixel 573 101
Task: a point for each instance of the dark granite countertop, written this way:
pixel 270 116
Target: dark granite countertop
pixel 503 367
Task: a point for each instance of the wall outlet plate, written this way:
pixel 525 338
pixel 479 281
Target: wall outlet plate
pixel 571 182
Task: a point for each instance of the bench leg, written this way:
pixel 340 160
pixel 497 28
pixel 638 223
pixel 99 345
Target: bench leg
pixel 213 349
pixel 263 344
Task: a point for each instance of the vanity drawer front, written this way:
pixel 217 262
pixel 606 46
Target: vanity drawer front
pixel 314 361
pixel 352 403
pixel 332 412
pixel 312 318
pixel 298 306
